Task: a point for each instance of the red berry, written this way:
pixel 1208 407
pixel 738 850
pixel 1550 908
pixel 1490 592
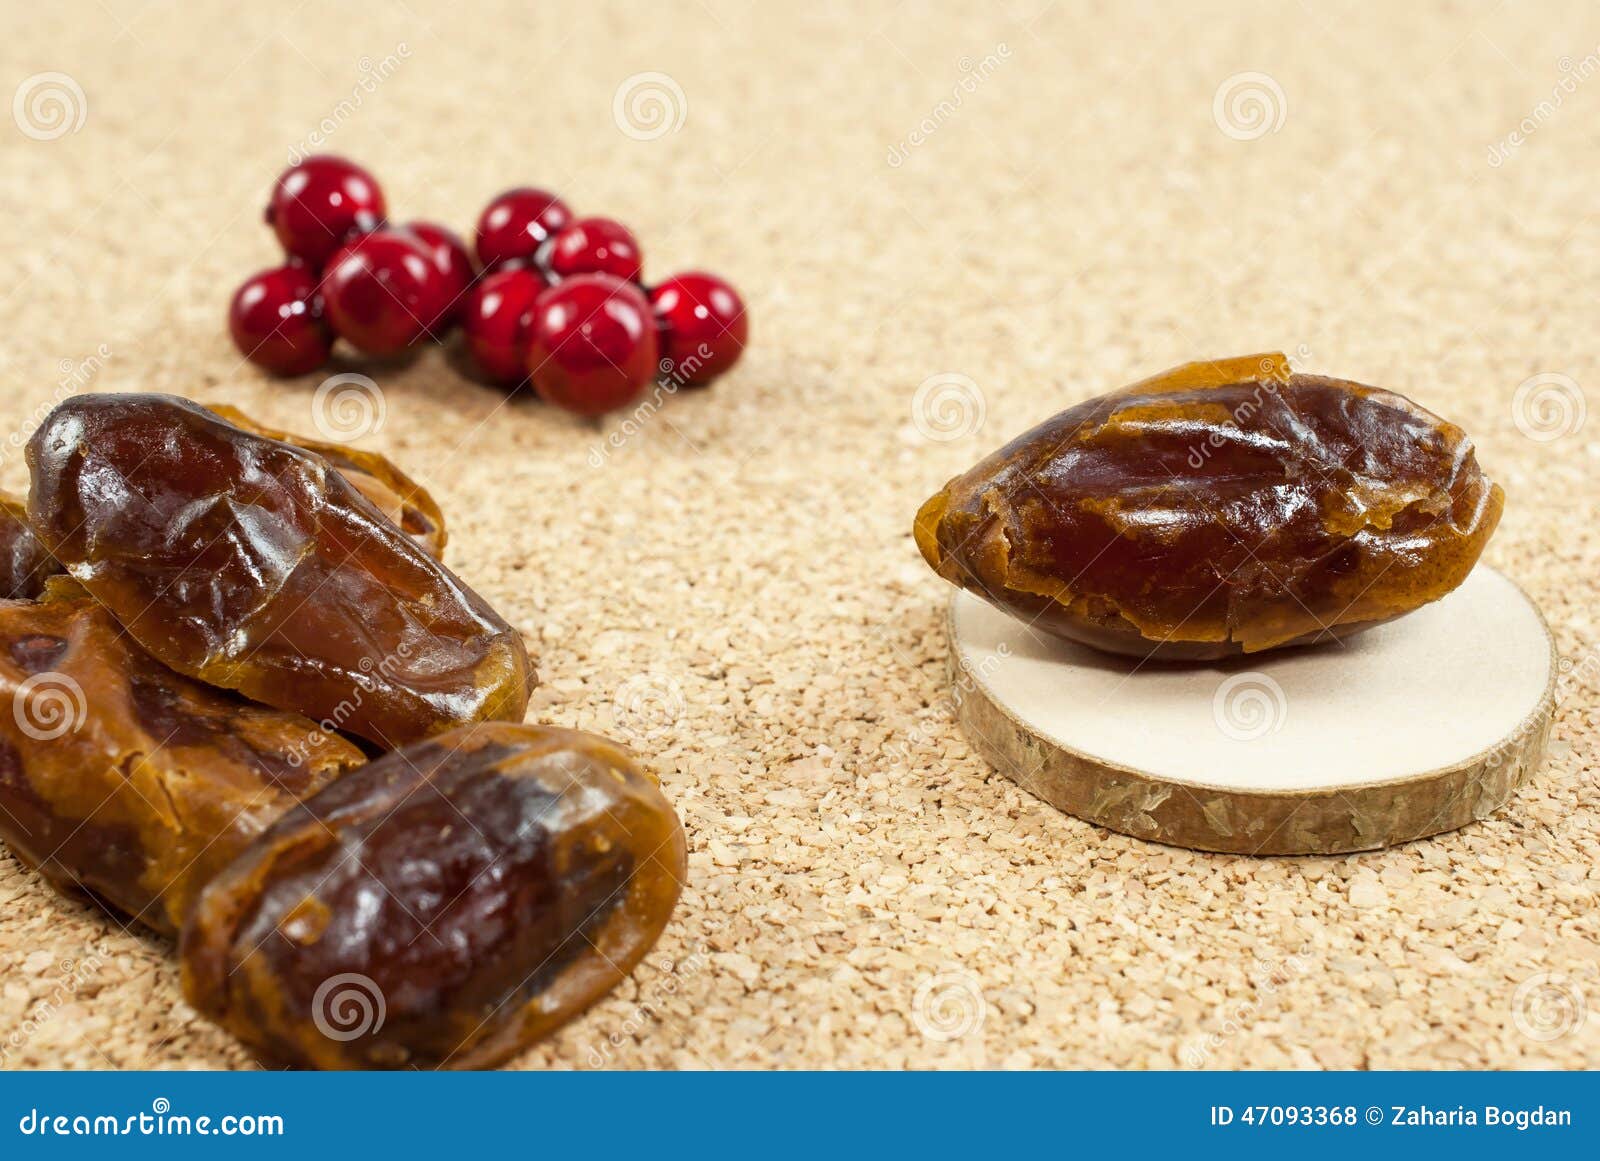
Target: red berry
pixel 592 344
pixel 595 246
pixel 496 319
pixel 276 321
pixel 382 291
pixel 703 326
pixel 516 224
pixel 450 255
pixel 319 204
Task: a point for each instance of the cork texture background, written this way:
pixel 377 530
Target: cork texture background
pixel 949 221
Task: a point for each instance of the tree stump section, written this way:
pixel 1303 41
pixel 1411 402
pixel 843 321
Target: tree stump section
pixel 1409 729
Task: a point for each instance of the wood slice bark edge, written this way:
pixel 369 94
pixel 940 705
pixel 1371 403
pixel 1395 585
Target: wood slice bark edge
pixel 1359 817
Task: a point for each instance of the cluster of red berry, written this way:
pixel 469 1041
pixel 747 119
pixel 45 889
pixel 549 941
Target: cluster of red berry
pixel 553 300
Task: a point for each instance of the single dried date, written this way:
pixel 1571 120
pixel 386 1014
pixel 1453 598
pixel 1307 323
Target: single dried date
pixel 375 476
pixel 126 782
pixel 251 564
pixel 443 906
pixel 1219 508
pixel 25 563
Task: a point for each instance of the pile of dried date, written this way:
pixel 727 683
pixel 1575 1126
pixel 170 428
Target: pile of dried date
pixel 553 300
pixel 253 710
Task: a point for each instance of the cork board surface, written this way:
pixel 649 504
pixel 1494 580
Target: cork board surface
pixel 949 223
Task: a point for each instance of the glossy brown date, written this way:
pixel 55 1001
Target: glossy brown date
pixel 25 563
pixel 126 782
pixel 444 906
pixel 1217 509
pixel 252 564
pixel 395 494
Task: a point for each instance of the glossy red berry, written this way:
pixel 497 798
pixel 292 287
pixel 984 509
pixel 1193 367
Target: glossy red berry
pixel 495 320
pixel 595 246
pixel 382 291
pixel 516 224
pixel 703 326
pixel 592 344
pixel 276 321
pixel 319 204
pixel 450 255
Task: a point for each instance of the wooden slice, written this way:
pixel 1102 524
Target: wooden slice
pixel 1409 729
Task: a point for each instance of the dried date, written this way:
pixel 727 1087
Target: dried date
pixel 1217 509
pixel 25 563
pixel 254 565
pixel 125 782
pixel 443 906
pixel 395 494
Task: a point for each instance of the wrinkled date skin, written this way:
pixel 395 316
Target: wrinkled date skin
pixel 25 563
pixel 444 906
pixel 1218 509
pixel 251 564
pixel 125 782
pixel 395 494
